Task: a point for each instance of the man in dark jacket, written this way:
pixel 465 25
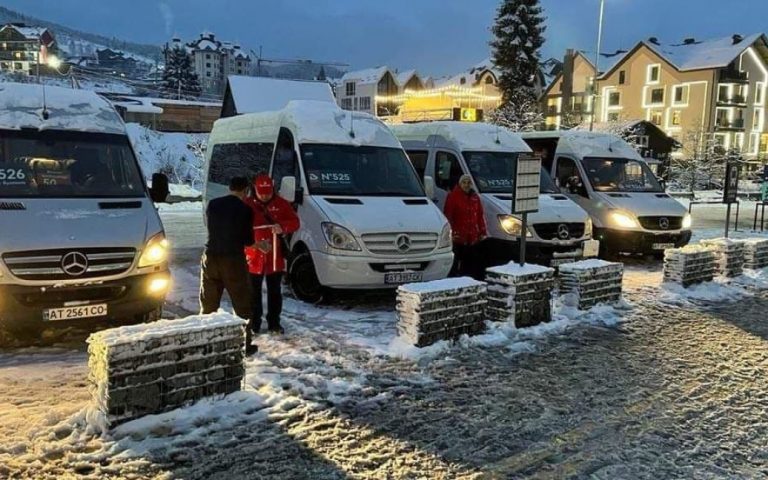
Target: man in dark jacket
pixel 230 230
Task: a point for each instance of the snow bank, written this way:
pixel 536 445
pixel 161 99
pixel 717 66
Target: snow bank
pixel 178 155
pixel 180 207
pixel 516 269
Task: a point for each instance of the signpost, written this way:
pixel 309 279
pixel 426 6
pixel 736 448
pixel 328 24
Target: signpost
pixel 525 194
pixel 730 190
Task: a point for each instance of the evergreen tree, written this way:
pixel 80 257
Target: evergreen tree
pixel 179 79
pixel 518 37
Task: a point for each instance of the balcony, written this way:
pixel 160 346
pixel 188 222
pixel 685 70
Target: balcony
pixel 733 76
pixel 725 125
pixel 735 100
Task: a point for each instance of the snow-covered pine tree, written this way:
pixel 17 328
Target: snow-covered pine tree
pixel 179 79
pixel 518 33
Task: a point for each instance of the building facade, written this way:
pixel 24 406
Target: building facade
pixel 371 90
pixel 214 60
pixel 23 48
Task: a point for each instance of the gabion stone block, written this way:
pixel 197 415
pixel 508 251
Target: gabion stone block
pixel 520 294
pixel 755 253
pixel 689 265
pixel 729 256
pixel 146 369
pixel 592 281
pixel 440 310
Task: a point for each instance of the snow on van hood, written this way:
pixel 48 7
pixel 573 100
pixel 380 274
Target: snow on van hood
pixel 21 106
pixel 468 136
pixel 553 208
pixel 644 203
pixel 594 144
pixel 76 223
pixel 391 214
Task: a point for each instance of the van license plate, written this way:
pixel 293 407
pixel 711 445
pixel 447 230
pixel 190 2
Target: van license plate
pixel 396 278
pixel 663 246
pixel 73 313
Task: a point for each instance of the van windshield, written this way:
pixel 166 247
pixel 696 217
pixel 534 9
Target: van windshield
pixel 349 170
pixel 67 164
pixel 620 175
pixel 494 171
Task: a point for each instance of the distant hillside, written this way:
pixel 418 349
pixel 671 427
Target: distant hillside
pixel 67 36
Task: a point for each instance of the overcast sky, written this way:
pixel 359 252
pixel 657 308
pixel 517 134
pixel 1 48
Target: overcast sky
pixel 435 36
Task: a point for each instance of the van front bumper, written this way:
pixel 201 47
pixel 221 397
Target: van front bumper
pixel 635 241
pixel 126 298
pixel 351 272
pixel 497 251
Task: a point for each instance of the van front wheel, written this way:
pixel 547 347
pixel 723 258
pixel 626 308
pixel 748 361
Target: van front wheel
pixel 304 282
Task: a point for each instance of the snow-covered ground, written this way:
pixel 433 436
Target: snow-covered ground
pixel 671 383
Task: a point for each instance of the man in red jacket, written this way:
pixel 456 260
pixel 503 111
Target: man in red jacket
pixel 273 217
pixel 464 211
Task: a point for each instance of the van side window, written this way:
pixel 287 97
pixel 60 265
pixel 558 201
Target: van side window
pixel 238 159
pixel 569 178
pixel 419 161
pixel 447 170
pixel 286 163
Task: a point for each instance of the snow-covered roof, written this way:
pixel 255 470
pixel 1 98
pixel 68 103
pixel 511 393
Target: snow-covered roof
pixel 137 105
pixel 467 136
pixel 589 144
pixel 262 94
pixel 310 122
pixel 405 77
pixel 32 33
pixel 469 77
pixel 369 75
pixel 21 106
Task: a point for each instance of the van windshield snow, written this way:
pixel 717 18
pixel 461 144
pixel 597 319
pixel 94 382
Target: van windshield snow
pixel 494 171
pixel 620 175
pixel 359 171
pixel 67 164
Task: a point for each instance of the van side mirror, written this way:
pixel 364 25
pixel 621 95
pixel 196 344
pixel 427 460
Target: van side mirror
pixel 159 190
pixel 429 186
pixel 288 189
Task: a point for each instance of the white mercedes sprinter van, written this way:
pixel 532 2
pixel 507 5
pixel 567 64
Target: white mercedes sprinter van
pixel 607 177
pixel 366 221
pixel 443 151
pixel 80 239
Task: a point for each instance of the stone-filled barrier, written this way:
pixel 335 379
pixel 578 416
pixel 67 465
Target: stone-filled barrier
pixel 440 310
pixel 522 294
pixel 729 256
pixel 755 253
pixel 592 281
pixel 146 369
pixel 689 265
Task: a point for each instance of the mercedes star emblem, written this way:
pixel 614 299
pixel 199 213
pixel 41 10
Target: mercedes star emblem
pixel 664 223
pixel 74 264
pixel 563 233
pixel 403 243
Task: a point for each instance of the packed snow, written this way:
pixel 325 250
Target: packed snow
pixel 263 94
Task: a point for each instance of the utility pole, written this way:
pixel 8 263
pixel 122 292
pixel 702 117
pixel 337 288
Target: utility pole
pixel 597 66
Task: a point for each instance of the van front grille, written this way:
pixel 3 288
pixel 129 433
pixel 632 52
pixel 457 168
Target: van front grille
pixel 661 223
pixel 69 264
pixel 559 231
pixel 406 243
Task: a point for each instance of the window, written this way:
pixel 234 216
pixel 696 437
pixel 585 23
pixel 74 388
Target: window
pixel 462 80
pixel 419 161
pixel 754 143
pixel 622 77
pixel 350 89
pixel 680 94
pixel 614 99
pixel 569 178
pixel 285 164
pixel 447 171
pixel 207 56
pixel 208 65
pixel 207 74
pixel 657 96
pixel 738 140
pixel 723 93
pixel 654 73
pixel 656 117
pixel 365 103
pixel 759 93
pixel 238 159
pixel 620 175
pixel 675 119
pixel 757 120
pixel 721 117
pixel 346 103
pixel 489 80
pixel 354 103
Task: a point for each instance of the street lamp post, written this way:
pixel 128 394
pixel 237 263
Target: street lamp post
pixel 597 66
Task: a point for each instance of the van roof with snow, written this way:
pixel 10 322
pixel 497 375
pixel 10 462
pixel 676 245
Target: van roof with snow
pixel 588 144
pixel 467 136
pixel 22 105
pixel 310 122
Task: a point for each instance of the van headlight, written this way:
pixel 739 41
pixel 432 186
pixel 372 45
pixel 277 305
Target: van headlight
pixel 339 237
pixel 513 225
pixel 624 220
pixel 687 221
pixel 588 227
pixel 446 239
pixel 155 252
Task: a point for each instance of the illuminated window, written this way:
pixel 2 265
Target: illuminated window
pixel 656 117
pixel 654 73
pixel 680 94
pixel 738 141
pixel 675 119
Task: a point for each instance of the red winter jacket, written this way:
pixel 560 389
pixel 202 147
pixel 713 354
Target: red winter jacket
pixel 280 212
pixel 465 214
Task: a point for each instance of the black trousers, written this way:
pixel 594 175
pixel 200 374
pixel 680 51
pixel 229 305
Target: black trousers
pixel 220 273
pixel 274 301
pixel 469 261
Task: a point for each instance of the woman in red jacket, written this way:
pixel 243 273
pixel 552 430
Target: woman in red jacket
pixel 273 217
pixel 464 211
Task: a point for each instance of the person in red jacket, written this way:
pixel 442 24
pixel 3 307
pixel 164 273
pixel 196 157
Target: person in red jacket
pixel 464 211
pixel 273 218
